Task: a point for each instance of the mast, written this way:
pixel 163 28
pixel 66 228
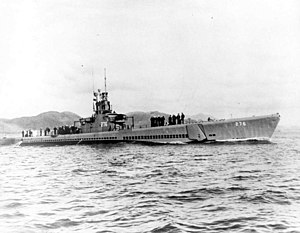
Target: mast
pixel 102 104
pixel 93 80
pixel 104 79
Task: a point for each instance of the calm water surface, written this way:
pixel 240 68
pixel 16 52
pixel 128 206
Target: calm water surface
pixel 143 188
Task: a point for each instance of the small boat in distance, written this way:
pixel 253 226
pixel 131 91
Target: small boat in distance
pixel 107 126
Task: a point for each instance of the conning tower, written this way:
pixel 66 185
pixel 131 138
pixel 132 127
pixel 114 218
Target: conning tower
pixel 103 118
pixel 101 103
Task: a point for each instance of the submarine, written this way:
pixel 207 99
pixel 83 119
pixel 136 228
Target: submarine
pixel 107 126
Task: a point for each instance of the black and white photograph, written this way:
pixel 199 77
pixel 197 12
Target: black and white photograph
pixel 149 116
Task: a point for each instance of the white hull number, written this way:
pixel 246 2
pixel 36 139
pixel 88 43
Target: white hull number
pixel 240 123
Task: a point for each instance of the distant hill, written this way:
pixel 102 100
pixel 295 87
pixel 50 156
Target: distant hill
pixel 43 120
pixel 201 116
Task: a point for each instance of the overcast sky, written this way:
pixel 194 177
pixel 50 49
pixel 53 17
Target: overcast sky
pixel 224 58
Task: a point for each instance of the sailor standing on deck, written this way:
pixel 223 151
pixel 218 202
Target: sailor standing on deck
pixel 178 119
pixel 173 120
pixel 152 121
pixel 170 120
pixel 182 118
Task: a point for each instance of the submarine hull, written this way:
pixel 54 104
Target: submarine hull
pixel 239 129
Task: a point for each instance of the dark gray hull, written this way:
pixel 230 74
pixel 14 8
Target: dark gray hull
pixel 240 129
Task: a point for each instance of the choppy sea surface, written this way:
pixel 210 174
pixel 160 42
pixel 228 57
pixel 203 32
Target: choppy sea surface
pixel 228 187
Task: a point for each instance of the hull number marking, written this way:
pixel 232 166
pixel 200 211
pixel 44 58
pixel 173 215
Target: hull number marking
pixel 240 123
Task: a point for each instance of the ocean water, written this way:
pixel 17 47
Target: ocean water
pixel 229 187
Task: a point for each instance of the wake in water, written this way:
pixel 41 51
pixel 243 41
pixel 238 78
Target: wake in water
pixel 245 142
